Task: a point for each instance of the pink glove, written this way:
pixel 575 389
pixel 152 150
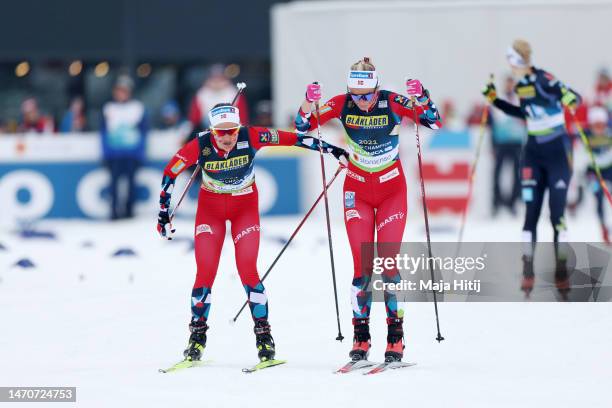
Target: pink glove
pixel 313 92
pixel 414 88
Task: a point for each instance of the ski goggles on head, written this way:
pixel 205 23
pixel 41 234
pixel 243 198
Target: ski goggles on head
pixel 363 97
pixel 225 132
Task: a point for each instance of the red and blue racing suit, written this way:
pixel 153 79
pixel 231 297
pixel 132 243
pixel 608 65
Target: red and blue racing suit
pixel 228 193
pixel 375 195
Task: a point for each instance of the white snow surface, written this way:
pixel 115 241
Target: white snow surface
pixel 106 325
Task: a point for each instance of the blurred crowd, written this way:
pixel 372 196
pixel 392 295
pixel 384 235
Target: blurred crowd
pixel 216 86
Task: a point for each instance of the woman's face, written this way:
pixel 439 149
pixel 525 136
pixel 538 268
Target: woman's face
pixel 364 98
pixel 226 135
pixel 599 128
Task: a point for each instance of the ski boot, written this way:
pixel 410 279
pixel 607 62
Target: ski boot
pixel 361 339
pixel 197 340
pixel 264 340
pixel 605 235
pixel 395 339
pixel 528 276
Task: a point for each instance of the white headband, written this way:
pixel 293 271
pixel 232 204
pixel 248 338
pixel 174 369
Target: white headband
pixel 362 79
pixel 223 114
pixel 515 59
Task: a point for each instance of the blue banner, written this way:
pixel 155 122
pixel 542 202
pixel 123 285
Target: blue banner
pixel 36 189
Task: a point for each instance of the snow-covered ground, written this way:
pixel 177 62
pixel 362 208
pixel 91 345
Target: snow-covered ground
pixel 105 325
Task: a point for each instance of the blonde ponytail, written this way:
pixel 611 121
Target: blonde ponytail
pixel 363 65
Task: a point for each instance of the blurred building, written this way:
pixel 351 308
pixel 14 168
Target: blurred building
pixel 73 49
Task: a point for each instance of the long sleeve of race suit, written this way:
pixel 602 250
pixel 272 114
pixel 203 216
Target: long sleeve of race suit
pixel 508 108
pixel 425 109
pixel 184 158
pixel 305 122
pixel 262 137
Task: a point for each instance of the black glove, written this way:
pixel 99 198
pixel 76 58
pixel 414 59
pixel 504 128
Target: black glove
pixel 339 153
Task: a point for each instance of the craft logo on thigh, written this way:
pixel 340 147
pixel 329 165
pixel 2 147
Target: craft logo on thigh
pixel 352 214
pixel 527 173
pixel 388 176
pixel 396 216
pixel 246 232
pixel 203 228
pixel 349 199
pixel 355 176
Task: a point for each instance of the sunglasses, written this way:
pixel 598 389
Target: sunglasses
pixel 225 132
pixel 364 97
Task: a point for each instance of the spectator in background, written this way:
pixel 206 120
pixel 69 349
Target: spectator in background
pixel 32 121
pixel 263 113
pixel 603 90
pixel 74 119
pixel 171 120
pixel 508 134
pixel 124 131
pixel 217 88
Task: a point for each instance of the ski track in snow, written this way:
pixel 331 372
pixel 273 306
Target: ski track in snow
pixel 105 325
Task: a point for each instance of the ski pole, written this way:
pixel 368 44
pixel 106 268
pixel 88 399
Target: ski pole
pixel 439 337
pixel 340 337
pixel 483 126
pixel 240 86
pixel 292 236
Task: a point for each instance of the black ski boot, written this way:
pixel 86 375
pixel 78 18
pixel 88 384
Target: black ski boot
pixel 361 339
pixel 395 339
pixel 197 340
pixel 264 340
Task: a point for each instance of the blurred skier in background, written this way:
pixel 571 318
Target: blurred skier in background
pixel 124 130
pixel 547 156
pixel 375 199
pixel 508 134
pixel 600 139
pixel 603 90
pixel 228 192
pixel 216 88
